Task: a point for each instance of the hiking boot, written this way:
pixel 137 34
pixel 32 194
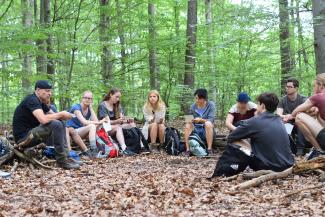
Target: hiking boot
pixel 145 151
pixel 67 164
pixel 70 159
pixel 128 152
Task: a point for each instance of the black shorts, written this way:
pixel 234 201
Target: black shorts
pixel 321 139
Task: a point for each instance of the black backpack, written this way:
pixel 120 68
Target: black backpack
pixel 133 138
pixel 173 144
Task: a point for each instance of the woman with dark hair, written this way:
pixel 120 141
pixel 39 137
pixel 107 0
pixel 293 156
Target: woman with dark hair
pixel 110 107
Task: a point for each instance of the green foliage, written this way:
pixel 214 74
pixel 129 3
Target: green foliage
pixel 245 41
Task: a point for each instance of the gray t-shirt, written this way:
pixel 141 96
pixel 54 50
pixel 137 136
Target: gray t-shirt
pixel 288 106
pixel 103 112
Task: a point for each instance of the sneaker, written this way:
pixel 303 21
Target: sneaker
pixel 128 152
pixel 185 154
pixel 300 152
pixel 70 159
pixel 67 164
pixel 211 153
pixel 88 154
pixel 145 151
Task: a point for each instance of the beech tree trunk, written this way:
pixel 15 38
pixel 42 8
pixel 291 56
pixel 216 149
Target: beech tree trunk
pixel 211 50
pixel 319 34
pixel 153 66
pixel 190 55
pixel 285 50
pixel 27 20
pixel 106 56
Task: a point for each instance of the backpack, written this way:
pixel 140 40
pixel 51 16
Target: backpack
pixel 105 146
pixel 5 152
pixel 133 138
pixel 231 162
pixel 173 144
pixel 197 145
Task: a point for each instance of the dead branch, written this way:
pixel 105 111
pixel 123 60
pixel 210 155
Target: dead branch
pixel 230 178
pixel 261 179
pixel 256 174
pixel 311 165
pixel 14 167
pixel 320 185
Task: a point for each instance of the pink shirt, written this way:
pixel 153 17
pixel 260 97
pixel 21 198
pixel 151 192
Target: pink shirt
pixel 318 100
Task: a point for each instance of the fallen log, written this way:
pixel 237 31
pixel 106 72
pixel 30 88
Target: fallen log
pixel 311 165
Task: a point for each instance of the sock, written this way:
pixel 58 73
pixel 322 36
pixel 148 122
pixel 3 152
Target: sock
pixel 123 147
pixel 93 144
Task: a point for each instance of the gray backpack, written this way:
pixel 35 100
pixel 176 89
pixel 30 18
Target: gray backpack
pixel 197 145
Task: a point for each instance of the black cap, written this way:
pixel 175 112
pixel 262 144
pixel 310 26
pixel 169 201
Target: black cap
pixel 43 84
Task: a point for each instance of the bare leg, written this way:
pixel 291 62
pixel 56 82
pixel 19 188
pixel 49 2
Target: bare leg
pixel 77 139
pixel 89 130
pixel 118 132
pixel 68 139
pixel 128 125
pixel 187 132
pixel 310 128
pixel 161 130
pixel 153 129
pixel 209 134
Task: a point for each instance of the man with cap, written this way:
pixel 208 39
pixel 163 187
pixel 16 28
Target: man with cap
pixel 287 105
pixel 243 110
pixel 34 122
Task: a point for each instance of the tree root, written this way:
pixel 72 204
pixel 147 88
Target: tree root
pixel 320 185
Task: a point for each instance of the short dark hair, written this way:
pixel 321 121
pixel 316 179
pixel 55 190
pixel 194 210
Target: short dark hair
pixel 270 100
pixel 201 93
pixel 294 81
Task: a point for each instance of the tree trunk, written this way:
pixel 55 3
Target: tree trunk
pixel 319 34
pixel 211 50
pixel 47 20
pixel 189 75
pixel 153 67
pixel 40 43
pixel 292 35
pixel 286 65
pixel 106 56
pixel 302 49
pixel 122 40
pixel 27 20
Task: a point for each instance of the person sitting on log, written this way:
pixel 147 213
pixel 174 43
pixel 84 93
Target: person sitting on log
pixel 287 104
pixel 34 122
pixel 269 147
pixel 110 107
pixel 85 123
pixel 74 135
pixel 244 109
pixel 313 128
pixel 154 111
pixel 204 112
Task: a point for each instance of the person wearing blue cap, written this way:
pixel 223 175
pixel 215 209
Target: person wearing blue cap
pixel 243 110
pixel 34 122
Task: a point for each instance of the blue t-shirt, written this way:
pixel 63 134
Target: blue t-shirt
pixel 200 111
pixel 74 122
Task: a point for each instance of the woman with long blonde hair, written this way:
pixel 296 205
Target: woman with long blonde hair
pixel 154 111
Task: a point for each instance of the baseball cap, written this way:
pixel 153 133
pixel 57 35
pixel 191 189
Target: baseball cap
pixel 243 97
pixel 43 84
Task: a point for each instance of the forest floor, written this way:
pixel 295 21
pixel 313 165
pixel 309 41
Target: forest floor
pixel 152 185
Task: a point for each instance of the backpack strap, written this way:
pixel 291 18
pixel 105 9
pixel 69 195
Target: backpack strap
pixel 143 140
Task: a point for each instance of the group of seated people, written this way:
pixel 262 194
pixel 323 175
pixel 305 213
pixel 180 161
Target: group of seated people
pixel 253 127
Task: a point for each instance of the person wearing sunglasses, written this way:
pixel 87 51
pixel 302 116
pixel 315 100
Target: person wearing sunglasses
pixel 287 105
